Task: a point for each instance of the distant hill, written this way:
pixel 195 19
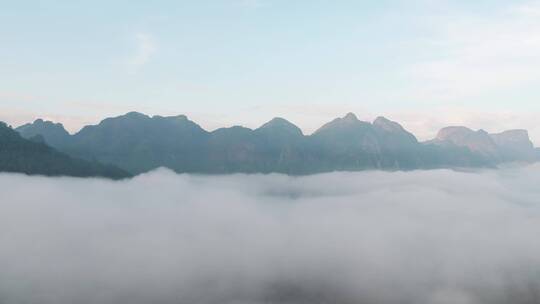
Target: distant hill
pixel 53 133
pixel 508 146
pixel 33 156
pixel 515 145
pixel 139 143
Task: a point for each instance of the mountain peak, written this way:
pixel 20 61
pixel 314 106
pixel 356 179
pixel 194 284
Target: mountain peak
pixel 394 128
pixel 387 125
pixel 350 117
pixel 40 122
pixel 134 114
pixel 513 135
pixel 381 119
pixel 281 125
pixel 515 144
pixel 130 118
pixel 33 156
pixel 278 121
pixel 345 122
pixel 180 117
pixel 449 132
pixel 52 133
pixel 511 145
pixel 236 130
pixel 477 141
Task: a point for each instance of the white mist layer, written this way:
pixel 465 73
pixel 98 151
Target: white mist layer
pixel 372 237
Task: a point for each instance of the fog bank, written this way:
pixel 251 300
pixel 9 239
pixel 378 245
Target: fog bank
pixel 370 237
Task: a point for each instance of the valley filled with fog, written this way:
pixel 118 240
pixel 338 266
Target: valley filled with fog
pixel 430 237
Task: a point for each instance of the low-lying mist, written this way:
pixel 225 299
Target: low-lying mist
pixel 372 237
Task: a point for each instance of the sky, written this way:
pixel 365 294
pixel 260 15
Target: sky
pixel 425 63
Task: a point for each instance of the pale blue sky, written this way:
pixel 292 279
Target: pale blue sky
pixel 424 62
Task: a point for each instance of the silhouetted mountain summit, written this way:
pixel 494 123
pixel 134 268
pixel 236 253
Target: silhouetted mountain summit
pixel 395 128
pixel 139 143
pixel 280 126
pixel 53 133
pixel 33 156
pixel 347 122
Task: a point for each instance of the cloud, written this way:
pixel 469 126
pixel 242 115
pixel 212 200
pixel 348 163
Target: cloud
pixel 529 9
pixel 427 237
pixel 146 47
pixel 481 54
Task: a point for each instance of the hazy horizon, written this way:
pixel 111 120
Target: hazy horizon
pixel 427 64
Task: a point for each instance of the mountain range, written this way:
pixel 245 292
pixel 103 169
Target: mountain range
pixel 33 156
pixel 139 143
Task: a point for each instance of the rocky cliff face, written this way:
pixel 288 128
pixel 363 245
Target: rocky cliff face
pixel 508 146
pixel 515 145
pixel 477 141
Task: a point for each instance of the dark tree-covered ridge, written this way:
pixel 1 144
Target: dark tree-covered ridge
pixel 33 156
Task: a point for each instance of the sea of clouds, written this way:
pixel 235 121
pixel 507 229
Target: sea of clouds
pixel 370 237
